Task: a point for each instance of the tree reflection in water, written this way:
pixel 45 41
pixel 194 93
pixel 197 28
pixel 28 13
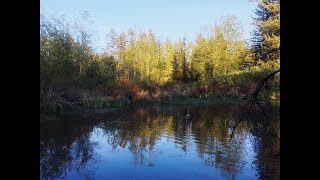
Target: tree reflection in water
pixel 266 130
pixel 139 129
pixel 65 146
pixel 202 129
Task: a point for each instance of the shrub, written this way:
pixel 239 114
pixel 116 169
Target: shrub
pixel 100 102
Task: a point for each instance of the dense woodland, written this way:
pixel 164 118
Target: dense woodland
pixel 139 65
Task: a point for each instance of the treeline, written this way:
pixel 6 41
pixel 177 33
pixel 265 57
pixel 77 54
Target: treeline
pixel 141 57
pixel 138 56
pixel 68 59
pixel 66 54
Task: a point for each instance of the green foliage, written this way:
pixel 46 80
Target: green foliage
pixel 221 52
pixel 220 61
pixel 266 40
pixel 140 57
pixel 99 102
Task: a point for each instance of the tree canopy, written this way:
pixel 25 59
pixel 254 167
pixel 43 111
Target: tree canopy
pixel 67 56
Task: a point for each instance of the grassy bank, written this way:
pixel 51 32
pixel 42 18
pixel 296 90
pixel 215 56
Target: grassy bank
pixel 58 102
pixel 194 101
pixel 226 89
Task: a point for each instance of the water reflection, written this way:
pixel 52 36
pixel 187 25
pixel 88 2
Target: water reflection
pixel 266 131
pixel 65 146
pixel 164 138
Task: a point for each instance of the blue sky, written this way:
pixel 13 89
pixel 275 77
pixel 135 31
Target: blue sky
pixel 170 19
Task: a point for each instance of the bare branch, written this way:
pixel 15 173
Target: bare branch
pixel 253 99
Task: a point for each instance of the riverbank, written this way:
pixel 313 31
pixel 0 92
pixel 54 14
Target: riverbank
pixel 57 102
pixel 226 89
pixel 84 104
pixel 57 99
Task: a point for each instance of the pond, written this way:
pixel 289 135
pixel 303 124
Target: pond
pixel 157 142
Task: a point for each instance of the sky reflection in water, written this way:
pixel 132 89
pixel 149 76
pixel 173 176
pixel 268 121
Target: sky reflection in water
pixel 154 142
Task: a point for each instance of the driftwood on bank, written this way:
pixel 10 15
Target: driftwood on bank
pixel 253 99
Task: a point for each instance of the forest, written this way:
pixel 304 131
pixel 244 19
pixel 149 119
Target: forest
pixel 139 67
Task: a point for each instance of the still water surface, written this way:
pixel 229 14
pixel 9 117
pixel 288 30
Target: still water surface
pixel 155 142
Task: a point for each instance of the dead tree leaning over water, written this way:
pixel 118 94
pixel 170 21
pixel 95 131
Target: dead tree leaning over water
pixel 253 101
